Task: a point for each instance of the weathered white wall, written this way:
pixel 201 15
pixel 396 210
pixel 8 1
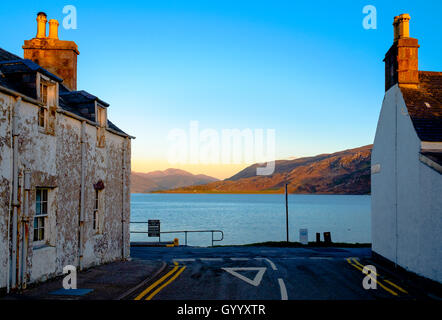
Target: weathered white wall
pixel 5 178
pixel 382 190
pixel 406 194
pixel 55 161
pixel 430 241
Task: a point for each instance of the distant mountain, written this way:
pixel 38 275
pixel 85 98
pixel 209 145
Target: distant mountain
pixel 343 172
pixel 167 179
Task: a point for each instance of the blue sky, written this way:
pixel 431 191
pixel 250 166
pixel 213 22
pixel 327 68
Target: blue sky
pixel 307 69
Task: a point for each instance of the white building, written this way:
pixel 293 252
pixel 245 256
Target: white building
pixel 406 177
pixel 64 167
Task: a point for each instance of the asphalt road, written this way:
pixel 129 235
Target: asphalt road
pixel 267 273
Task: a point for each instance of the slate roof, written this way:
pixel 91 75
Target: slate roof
pixel 13 71
pixel 424 106
pixel 24 66
pixel 6 55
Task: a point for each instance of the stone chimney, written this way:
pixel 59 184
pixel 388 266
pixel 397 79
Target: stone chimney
pixel 57 56
pixel 401 60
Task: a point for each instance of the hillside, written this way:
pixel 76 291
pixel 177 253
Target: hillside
pixel 164 180
pixel 343 172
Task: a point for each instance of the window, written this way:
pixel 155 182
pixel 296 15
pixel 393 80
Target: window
pixel 101 116
pixel 41 117
pixel 41 213
pixel 44 93
pixel 100 119
pixel 48 96
pixel 96 211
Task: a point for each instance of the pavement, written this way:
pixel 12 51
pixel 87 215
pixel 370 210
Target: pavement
pixel 241 273
pixel 111 281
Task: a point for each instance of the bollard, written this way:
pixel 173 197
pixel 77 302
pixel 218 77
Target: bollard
pixel 327 237
pixel 318 237
pixel 176 242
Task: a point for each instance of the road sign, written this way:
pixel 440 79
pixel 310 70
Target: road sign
pixel 153 228
pixel 303 236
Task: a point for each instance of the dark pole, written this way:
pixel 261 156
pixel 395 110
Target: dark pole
pixel 286 212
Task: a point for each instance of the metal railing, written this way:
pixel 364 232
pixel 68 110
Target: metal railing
pixel 183 231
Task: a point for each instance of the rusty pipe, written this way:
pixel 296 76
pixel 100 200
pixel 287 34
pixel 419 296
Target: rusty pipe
pixel 82 188
pixel 11 161
pixel 25 227
pixel 15 203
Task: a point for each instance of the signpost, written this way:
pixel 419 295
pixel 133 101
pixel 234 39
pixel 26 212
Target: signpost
pixel 153 228
pixel 286 212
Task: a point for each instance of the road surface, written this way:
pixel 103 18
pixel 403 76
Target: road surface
pixel 268 273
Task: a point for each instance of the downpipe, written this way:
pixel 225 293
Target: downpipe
pixel 11 165
pixel 25 228
pixel 123 195
pixel 82 187
pixel 15 203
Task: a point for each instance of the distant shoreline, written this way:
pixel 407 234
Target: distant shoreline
pixel 260 192
pixel 295 244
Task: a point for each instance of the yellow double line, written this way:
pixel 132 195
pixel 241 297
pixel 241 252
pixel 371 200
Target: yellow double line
pixel 360 267
pixel 173 274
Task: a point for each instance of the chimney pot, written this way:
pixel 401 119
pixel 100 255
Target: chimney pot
pixel 53 29
pixel 396 28
pixel 41 25
pixel 401 26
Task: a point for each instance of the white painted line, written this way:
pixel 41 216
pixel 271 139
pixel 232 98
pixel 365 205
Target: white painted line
pixel 283 289
pixel 211 259
pixel 240 259
pixel 321 258
pixel 184 260
pixel 269 262
pixel 255 282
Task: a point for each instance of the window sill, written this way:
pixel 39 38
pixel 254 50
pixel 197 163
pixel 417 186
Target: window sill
pixel 44 131
pixel 38 246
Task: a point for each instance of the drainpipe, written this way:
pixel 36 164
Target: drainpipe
pixel 25 228
pixel 82 187
pixel 20 232
pixel 15 203
pixel 123 195
pixel 10 202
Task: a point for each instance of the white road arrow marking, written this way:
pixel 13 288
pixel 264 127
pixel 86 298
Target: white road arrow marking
pixel 255 282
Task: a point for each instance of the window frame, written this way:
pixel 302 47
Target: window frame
pixel 100 115
pixel 96 212
pixel 41 215
pixel 42 115
pixel 48 97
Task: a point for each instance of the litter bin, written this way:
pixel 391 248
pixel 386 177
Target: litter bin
pixel 327 237
pixel 318 237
